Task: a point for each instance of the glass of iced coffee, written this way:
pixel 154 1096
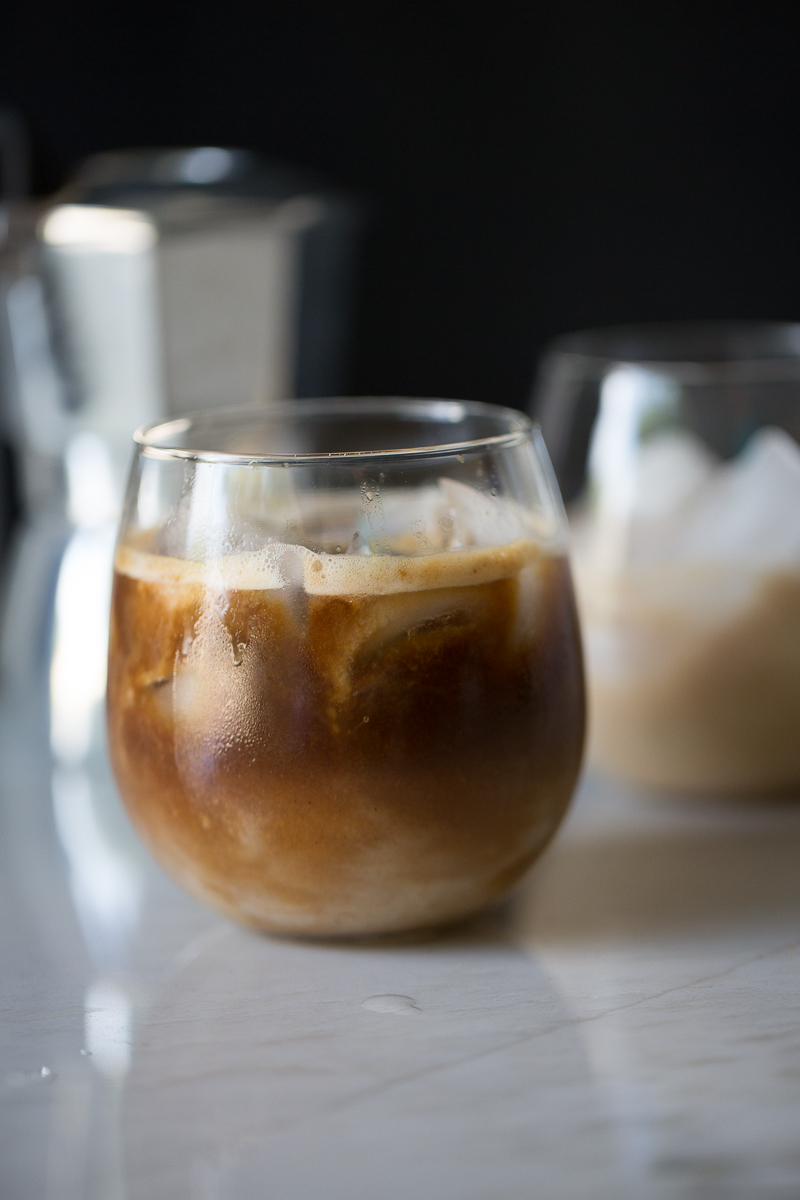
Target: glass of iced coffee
pixel 678 447
pixel 345 692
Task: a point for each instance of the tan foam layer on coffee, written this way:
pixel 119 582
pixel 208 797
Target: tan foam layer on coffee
pixel 278 566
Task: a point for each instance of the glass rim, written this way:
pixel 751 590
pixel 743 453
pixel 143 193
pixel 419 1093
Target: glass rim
pixel 520 429
pixel 601 348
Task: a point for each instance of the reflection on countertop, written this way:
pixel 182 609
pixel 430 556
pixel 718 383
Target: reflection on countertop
pixel 625 1027
pixel 640 867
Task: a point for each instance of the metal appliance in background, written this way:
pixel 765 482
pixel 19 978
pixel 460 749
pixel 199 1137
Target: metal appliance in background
pixel 156 282
pixel 240 285
pixel 169 280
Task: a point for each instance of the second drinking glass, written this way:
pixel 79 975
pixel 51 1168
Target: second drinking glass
pixel 687 547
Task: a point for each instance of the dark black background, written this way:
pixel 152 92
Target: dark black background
pixel 531 168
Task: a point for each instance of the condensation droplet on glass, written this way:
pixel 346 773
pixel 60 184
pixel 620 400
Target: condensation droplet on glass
pixel 365 720
pixel 46 1073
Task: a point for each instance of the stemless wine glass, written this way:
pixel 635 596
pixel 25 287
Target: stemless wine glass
pixel 679 445
pixel 345 686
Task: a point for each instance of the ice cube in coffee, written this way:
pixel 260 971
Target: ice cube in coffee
pixel 369 734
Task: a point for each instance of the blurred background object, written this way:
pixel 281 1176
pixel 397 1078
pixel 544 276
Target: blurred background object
pixel 160 281
pixel 678 445
pixel 183 279
pixel 253 267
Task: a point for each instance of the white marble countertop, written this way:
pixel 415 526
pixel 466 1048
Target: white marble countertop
pixel 626 1027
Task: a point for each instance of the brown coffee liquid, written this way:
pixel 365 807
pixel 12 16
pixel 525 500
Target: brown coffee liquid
pixel 386 744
